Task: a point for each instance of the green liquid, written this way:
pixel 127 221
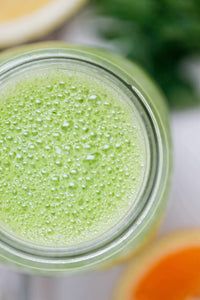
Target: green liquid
pixel 72 158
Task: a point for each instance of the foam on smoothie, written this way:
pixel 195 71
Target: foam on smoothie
pixel 71 158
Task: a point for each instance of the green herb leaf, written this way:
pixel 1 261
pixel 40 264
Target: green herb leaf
pixel 159 35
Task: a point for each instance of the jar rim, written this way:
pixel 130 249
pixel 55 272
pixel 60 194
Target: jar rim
pixel 60 258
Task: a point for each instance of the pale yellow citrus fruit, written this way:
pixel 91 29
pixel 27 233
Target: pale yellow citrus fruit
pixel 23 20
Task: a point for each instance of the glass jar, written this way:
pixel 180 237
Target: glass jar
pixel 139 225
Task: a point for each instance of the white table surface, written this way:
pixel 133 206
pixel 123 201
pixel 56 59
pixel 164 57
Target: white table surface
pixel 183 210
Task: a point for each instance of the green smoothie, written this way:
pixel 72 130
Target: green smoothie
pixel 72 158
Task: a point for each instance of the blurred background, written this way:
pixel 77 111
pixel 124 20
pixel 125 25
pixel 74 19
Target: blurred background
pixel 164 37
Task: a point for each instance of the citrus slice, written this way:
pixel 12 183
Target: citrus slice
pixel 22 20
pixel 169 270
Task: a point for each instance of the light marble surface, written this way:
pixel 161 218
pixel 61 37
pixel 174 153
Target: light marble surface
pixel 184 204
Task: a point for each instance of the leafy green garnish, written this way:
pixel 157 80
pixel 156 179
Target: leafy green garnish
pixel 159 35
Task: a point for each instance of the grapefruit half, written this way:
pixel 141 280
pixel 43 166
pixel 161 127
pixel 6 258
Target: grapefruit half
pixel 169 270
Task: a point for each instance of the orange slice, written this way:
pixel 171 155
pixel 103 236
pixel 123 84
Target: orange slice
pixel 169 270
pixel 23 20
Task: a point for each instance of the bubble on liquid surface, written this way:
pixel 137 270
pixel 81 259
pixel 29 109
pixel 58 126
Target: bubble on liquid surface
pixel 71 158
